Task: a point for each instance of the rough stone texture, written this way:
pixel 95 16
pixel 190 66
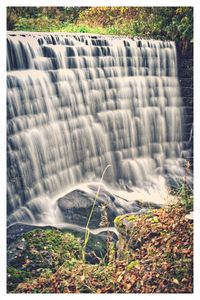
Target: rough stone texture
pixel 76 206
pixel 185 74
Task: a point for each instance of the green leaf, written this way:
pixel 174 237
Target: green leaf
pixel 133 264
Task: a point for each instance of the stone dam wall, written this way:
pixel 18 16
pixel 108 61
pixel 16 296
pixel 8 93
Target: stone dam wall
pixel 185 74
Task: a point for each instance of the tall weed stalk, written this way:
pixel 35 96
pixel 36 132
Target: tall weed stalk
pixel 87 231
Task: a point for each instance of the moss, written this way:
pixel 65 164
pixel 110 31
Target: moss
pixel 44 251
pixel 15 276
pixel 117 220
pixel 131 218
pixel 60 245
pixel 154 219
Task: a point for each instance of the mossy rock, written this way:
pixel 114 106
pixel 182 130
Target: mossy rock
pixel 123 220
pixel 130 232
pixel 60 245
pixel 41 251
pixel 96 246
pixel 15 276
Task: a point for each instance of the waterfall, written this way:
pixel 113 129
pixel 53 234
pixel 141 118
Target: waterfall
pixel 77 103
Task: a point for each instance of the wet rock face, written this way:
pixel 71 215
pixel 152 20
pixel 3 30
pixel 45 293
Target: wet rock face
pixel 76 207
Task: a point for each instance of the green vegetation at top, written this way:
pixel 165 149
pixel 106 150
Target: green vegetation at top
pixel 171 23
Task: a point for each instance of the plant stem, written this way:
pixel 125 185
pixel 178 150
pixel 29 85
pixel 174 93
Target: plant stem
pixel 87 232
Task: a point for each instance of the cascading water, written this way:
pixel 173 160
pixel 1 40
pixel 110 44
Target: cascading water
pixel 77 103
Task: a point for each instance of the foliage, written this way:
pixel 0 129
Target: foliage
pixel 107 16
pixel 162 262
pixel 38 24
pixel 116 20
pixel 54 14
pixel 43 24
pixel 185 196
pixel 183 190
pixel 173 23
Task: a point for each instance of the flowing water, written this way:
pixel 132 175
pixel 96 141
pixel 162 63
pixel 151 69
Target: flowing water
pixel 77 103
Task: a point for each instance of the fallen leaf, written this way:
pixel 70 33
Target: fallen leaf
pixel 175 281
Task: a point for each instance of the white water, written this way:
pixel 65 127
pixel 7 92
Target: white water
pixel 77 103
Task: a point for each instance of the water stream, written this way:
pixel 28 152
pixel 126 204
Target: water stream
pixel 77 103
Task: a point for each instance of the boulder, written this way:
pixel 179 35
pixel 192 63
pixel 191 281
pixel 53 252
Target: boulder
pixel 76 206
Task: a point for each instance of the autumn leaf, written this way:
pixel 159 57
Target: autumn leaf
pixel 175 281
